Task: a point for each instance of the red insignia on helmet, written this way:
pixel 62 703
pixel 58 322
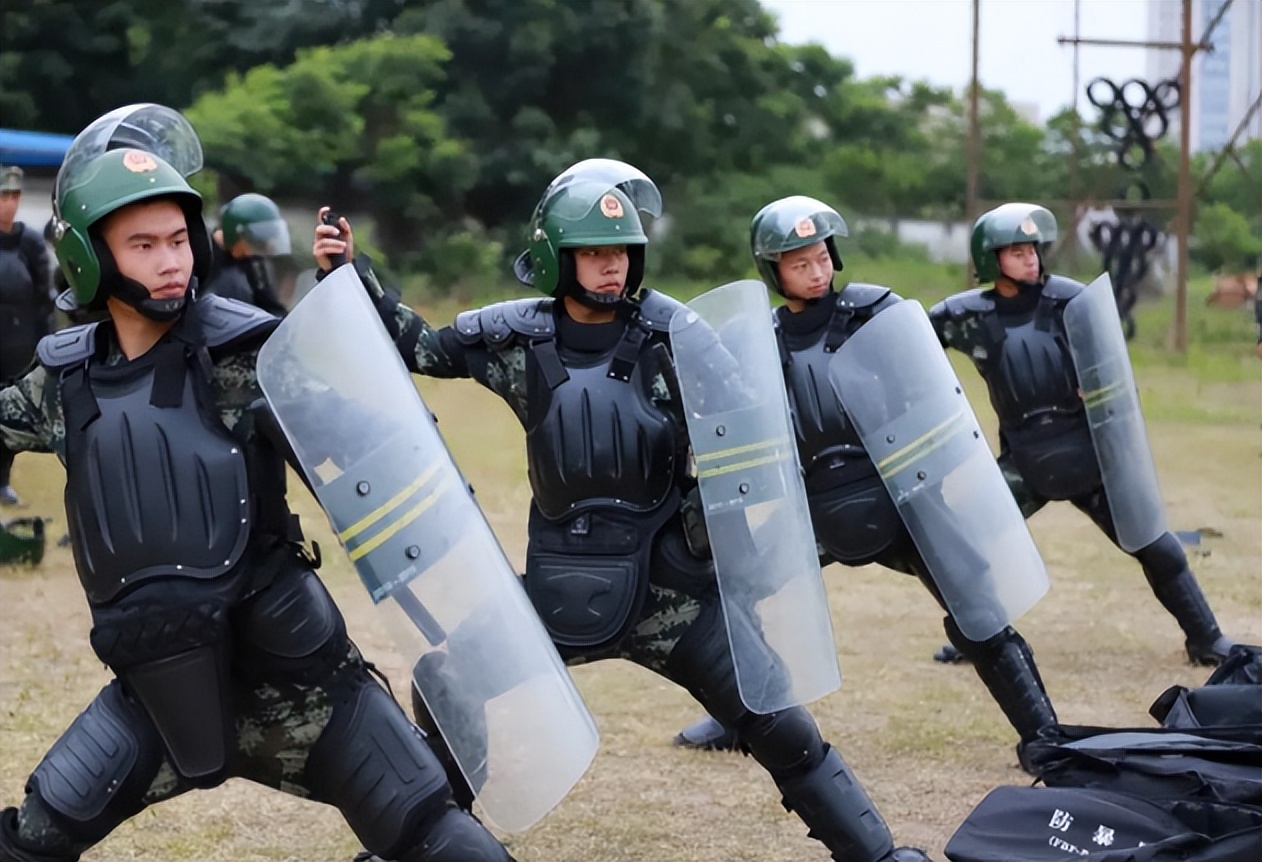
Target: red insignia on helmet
pixel 805 227
pixel 611 207
pixel 139 162
pixel 1029 228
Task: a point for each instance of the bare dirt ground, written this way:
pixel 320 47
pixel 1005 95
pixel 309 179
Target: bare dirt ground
pixel 926 740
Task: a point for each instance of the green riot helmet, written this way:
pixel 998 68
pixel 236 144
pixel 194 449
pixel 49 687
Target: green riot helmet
pixel 89 187
pixel 792 223
pixel 1009 224
pixel 256 220
pixel 593 203
pixel 88 190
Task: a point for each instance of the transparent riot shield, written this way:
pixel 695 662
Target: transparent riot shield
pixel 1114 415
pixel 370 449
pixel 779 627
pixel 910 411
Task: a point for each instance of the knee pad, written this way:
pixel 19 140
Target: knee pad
pixel 373 765
pixel 95 776
pixel 785 743
pixel 782 742
pixel 1163 559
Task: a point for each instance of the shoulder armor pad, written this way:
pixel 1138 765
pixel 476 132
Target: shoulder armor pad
pixel 656 310
pixel 67 347
pixel 858 295
pixel 968 303
pixel 227 320
pixel 1062 289
pixel 497 323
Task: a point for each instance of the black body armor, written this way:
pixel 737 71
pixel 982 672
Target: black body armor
pixel 828 445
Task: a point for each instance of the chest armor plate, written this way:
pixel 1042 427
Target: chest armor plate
pixel 601 442
pixel 819 420
pixel 152 491
pixel 1030 372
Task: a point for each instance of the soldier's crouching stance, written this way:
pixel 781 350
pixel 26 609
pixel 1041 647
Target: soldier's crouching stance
pixel 230 657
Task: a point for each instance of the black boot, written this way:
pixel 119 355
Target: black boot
pixel 706 734
pixel 9 849
pixel 1005 664
pixel 1181 595
pixel 947 654
pixel 837 812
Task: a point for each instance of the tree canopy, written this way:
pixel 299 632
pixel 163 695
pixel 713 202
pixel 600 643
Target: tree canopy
pixel 444 120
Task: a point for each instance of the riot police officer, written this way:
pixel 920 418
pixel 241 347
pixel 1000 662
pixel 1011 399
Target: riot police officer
pixel 587 371
pixel 856 521
pixel 230 657
pixel 1015 334
pixel 26 306
pixel 252 233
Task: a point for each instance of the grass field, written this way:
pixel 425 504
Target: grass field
pixel 926 740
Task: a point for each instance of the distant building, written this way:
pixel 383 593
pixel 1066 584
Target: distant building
pixel 1226 82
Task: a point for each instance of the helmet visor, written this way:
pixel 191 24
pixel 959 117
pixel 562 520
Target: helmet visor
pixel 631 181
pixel 155 129
pixel 792 223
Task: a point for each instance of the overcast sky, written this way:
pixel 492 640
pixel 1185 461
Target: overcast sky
pixel 932 39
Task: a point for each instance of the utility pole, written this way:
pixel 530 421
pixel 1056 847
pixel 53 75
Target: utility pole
pixel 974 140
pixel 1178 337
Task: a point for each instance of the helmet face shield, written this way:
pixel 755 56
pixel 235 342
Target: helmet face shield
pixel 267 238
pixel 631 181
pixel 155 129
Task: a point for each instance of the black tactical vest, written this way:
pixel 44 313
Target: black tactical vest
pixel 155 484
pixel 1027 365
pixel 595 438
pixel 827 441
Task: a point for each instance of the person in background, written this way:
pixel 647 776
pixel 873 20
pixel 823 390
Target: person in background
pixel 26 304
pixel 252 233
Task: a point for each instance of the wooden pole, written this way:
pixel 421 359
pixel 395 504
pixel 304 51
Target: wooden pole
pixel 1179 334
pixel 974 139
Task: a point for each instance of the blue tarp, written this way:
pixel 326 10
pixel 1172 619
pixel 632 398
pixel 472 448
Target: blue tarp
pixel 32 149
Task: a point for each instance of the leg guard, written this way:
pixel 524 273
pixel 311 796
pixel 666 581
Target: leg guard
pixel 838 812
pixel 1006 666
pixel 374 766
pixel 460 789
pixel 786 743
pixel 1172 582
pixel 93 778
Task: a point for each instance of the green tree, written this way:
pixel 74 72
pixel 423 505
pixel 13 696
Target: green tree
pixel 353 124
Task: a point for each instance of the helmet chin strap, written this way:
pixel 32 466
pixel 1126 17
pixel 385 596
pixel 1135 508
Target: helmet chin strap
pixel 568 285
pixel 137 296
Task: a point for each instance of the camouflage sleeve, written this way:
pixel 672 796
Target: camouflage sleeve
pixel 235 385
pixel 30 414
pixel 940 317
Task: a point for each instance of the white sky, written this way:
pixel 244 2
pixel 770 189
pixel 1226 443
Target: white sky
pixel 932 40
